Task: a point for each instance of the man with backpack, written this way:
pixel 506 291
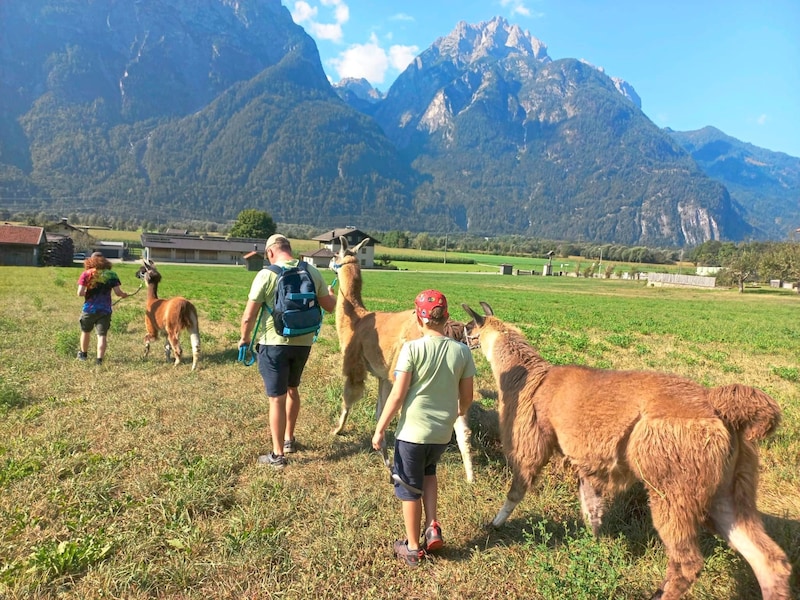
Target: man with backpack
pixel 292 293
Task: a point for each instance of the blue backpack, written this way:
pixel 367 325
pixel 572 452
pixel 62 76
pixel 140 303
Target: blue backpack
pixel 296 310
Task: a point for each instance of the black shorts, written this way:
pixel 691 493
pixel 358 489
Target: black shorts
pixel 100 322
pixel 281 367
pixel 412 462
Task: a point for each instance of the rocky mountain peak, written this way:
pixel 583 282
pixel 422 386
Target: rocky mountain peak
pixel 359 87
pixel 496 38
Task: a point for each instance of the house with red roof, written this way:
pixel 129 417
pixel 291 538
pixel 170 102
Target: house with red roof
pixel 22 245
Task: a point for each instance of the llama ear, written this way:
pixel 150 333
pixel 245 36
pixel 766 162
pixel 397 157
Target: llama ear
pixel 343 244
pixel 363 242
pixel 479 319
pixel 487 309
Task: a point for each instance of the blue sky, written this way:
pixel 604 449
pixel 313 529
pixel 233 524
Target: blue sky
pixel 731 64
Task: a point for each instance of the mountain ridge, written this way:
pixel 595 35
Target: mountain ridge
pixel 483 133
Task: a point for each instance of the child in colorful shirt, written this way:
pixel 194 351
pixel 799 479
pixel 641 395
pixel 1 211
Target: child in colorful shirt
pixel 95 285
pixel 433 386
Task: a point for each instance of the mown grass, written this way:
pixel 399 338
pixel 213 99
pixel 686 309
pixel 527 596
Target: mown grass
pixel 139 480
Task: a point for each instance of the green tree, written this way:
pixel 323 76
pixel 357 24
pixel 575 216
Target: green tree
pixel 253 223
pixel 741 264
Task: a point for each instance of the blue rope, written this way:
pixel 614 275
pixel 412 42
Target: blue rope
pixel 249 348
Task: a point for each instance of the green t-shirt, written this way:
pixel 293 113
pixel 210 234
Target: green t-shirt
pixel 436 364
pixel 263 291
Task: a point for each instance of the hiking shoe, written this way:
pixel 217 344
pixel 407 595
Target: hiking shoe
pixel 278 461
pixel 289 446
pixel 433 537
pixel 81 355
pixel 411 557
pixel 98 361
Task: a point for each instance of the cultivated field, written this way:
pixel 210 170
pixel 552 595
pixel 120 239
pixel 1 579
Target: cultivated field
pixel 139 480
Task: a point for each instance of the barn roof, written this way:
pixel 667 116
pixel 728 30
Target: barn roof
pixel 199 242
pixel 23 235
pixel 351 233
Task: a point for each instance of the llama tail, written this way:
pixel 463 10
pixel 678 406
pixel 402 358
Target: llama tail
pixel 191 324
pixel 746 409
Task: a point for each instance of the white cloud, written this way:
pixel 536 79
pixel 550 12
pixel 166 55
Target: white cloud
pixel 401 56
pixel 762 119
pixel 363 60
pixel 303 11
pixel 371 61
pixel 520 8
pixel 401 17
pixel 307 15
pixel 331 31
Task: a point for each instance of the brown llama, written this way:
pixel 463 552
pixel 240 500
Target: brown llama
pixel 370 342
pixel 692 447
pixel 168 316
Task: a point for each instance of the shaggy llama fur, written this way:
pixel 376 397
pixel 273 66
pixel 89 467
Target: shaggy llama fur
pixel 693 448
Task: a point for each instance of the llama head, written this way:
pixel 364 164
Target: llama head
pixel 148 272
pixel 472 330
pixel 346 254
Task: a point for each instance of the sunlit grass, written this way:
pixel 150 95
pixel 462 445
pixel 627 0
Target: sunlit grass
pixel 139 479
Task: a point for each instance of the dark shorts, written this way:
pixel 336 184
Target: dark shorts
pixel 281 367
pixel 100 322
pixel 412 462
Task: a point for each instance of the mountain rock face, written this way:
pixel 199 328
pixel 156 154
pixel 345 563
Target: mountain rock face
pixel 766 182
pixel 514 141
pixel 179 109
pixel 183 109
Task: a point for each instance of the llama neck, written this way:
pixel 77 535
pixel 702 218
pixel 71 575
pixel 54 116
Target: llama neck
pixel 349 302
pixel 152 292
pixel 510 351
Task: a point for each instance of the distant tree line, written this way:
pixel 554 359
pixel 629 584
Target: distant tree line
pixel 741 262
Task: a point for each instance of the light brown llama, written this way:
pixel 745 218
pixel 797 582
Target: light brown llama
pixel 693 448
pixel 370 342
pixel 168 316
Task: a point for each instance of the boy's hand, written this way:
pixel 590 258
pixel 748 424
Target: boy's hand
pixel 377 440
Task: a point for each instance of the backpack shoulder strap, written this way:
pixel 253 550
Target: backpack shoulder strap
pixel 275 269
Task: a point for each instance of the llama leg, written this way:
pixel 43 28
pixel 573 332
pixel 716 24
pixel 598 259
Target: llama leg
pixel 677 524
pixel 462 437
pixel 734 516
pixel 147 340
pixel 592 506
pixel 519 487
pixel 353 390
pixel 195 339
pixel 527 453
pixel 745 534
pixel 175 342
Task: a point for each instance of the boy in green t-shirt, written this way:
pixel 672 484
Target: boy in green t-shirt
pixel 433 386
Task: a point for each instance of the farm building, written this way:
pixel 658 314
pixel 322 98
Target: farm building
pixel 22 246
pixel 110 249
pixel 330 240
pixel 319 258
pixel 161 247
pixel 58 250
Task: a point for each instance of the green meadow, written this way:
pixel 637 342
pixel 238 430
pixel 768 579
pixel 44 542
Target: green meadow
pixel 137 479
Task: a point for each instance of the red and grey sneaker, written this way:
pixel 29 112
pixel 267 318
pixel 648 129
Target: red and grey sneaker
pixel 411 557
pixel 433 537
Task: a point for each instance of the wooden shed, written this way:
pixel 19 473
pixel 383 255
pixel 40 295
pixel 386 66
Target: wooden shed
pixel 254 261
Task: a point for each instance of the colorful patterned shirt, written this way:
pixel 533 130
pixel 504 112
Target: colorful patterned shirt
pixel 99 284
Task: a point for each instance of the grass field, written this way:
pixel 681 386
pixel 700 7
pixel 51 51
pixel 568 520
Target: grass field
pixel 139 480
